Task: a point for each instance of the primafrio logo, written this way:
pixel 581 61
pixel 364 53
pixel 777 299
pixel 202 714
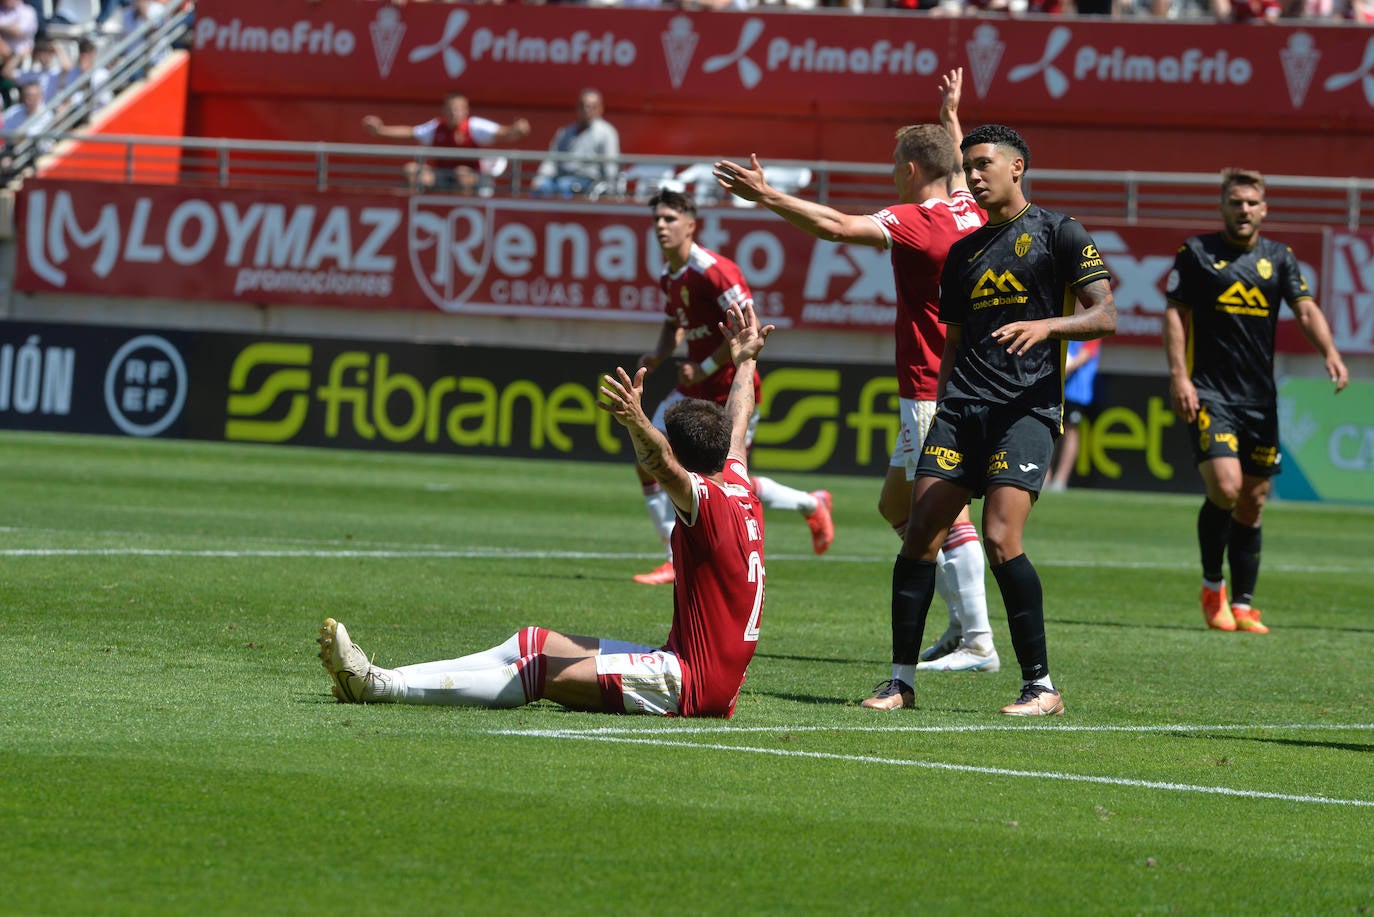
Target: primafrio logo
pixel 145 385
pixel 1090 64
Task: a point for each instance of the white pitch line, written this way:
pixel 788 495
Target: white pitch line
pixel 620 736
pixel 496 553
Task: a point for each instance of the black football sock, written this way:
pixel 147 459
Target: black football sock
pixel 1213 531
pixel 1025 603
pixel 1244 554
pixel 913 588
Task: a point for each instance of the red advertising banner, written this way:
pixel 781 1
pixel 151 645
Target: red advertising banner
pixel 1084 71
pixel 476 256
pixel 1349 299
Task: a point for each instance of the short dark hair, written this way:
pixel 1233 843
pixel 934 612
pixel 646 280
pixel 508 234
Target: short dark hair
pixel 675 200
pixel 998 135
pixel 699 432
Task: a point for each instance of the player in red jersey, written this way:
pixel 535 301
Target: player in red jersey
pixel 934 209
pixel 699 285
pixel 717 596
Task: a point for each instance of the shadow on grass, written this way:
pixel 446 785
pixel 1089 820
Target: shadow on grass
pixel 1363 747
pixel 1134 625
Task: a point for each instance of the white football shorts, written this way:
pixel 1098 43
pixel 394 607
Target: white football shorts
pixel 647 679
pixel 916 418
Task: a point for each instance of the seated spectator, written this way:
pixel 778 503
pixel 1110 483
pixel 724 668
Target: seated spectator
pixel 130 17
pixel 46 67
pixel 18 26
pixel 455 128
pixel 1248 10
pixel 28 117
pixel 591 137
pixel 85 63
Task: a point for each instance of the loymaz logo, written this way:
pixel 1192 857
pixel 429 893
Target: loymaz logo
pixel 145 386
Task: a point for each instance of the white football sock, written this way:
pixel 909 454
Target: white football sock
pixel 964 568
pixel 661 514
pixel 504 654
pixel 779 496
pixel 500 686
pixel 946 585
pixel 906 673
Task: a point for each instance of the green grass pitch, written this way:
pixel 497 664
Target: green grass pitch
pixel 169 745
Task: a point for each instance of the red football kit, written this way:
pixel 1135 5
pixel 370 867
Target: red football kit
pixel 919 236
pixel 718 592
pixel 697 299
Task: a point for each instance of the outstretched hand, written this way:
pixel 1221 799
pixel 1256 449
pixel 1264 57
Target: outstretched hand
pixel 951 89
pixel 742 332
pixel 624 397
pixel 744 182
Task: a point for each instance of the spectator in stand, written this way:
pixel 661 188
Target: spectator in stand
pixel 85 63
pixel 455 128
pixel 47 66
pixel 131 16
pixel 18 26
pixel 591 137
pixel 1361 11
pixel 27 118
pixel 1080 370
pixel 1258 11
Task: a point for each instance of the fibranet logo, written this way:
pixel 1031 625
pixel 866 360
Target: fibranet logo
pixel 274 389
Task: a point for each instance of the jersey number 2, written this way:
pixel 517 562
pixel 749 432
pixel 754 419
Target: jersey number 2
pixel 751 630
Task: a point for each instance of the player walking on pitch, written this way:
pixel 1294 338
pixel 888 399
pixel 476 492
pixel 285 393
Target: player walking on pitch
pixel 1224 295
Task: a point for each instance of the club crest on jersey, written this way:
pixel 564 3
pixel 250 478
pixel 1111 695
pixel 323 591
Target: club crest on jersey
pixel 448 247
pixel 1023 244
pixel 1265 268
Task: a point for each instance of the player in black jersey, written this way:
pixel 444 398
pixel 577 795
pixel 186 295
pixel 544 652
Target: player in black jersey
pixel 1224 295
pixel 1012 294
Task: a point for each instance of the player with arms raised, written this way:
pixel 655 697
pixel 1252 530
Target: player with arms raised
pixel 717 593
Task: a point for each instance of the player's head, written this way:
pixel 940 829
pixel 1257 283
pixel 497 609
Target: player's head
pixel 675 221
pixel 1242 203
pixel 699 432
pixel 924 153
pixel 995 159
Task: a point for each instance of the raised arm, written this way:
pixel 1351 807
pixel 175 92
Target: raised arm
pixel 745 339
pixel 823 222
pixel 374 126
pixel 623 396
pixel 951 90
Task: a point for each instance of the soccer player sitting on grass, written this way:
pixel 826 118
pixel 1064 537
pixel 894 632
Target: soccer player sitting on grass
pixel 717 594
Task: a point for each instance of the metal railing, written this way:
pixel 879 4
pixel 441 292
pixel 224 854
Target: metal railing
pixel 1131 197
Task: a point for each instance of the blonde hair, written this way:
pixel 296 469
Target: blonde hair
pixel 928 146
